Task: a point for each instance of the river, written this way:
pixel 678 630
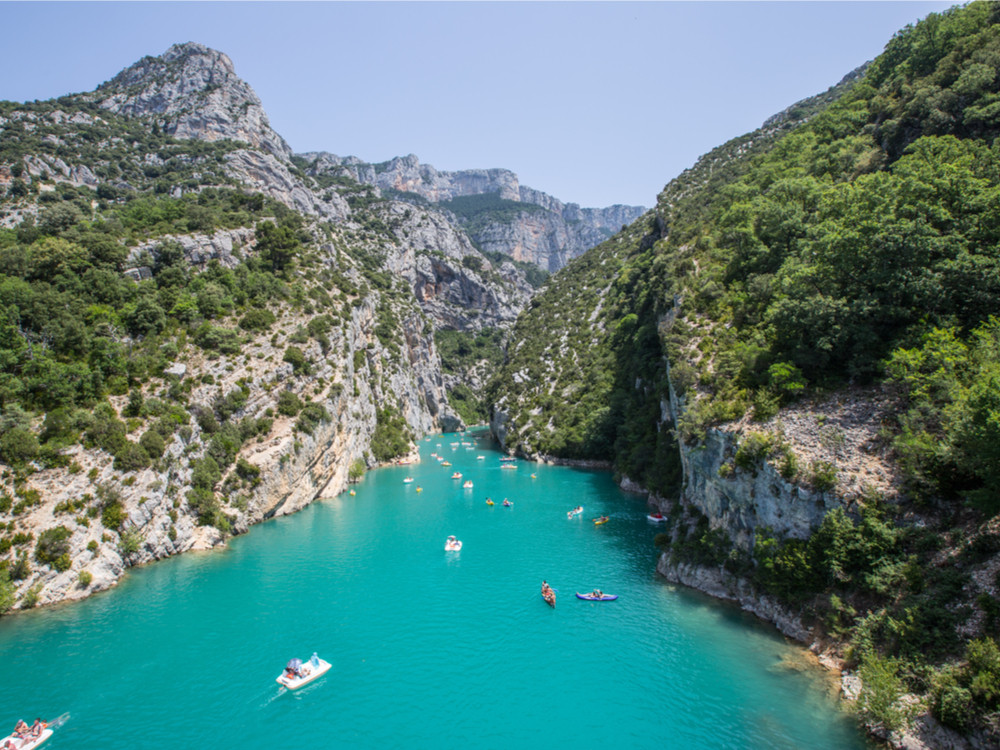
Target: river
pixel 429 648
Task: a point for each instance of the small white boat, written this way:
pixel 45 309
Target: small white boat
pixel 467 484
pixel 575 512
pixel 656 517
pixel 407 480
pixel 480 458
pixel 508 466
pixel 302 673
pixel 457 475
pixel 26 743
pixel 29 743
pixel 452 544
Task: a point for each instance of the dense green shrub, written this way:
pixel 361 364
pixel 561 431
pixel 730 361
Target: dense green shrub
pixel 289 403
pixel 131 457
pixel 113 515
pixel 298 361
pixel 152 442
pixel 310 416
pixel 53 543
pixel 392 436
pixel 257 319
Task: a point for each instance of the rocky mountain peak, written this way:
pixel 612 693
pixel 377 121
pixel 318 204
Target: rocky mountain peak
pixel 193 91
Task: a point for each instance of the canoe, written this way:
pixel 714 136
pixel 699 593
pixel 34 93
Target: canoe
pixel 592 598
pixel 27 744
pixel 602 519
pixel 310 673
pixel 551 602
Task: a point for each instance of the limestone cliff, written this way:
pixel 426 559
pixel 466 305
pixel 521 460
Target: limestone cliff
pixel 342 349
pixel 546 232
pixel 192 91
pixel 354 370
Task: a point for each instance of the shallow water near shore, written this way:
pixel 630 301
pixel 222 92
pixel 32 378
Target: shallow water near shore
pixel 428 647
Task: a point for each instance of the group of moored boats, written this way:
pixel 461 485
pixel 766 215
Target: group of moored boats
pixel 453 544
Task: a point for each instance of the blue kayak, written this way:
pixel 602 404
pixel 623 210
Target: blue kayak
pixel 601 598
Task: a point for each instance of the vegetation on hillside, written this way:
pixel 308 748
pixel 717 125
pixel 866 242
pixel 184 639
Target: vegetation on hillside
pixel 475 212
pixel 463 353
pixel 97 300
pixel 855 243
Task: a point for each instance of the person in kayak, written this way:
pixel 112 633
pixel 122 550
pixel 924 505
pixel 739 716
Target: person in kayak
pixel 597 594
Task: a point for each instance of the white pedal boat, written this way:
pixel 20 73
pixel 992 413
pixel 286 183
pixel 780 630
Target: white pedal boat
pixel 452 544
pixel 27 743
pixel 307 673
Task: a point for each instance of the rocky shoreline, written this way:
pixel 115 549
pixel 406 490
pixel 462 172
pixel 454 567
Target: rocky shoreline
pixel 923 733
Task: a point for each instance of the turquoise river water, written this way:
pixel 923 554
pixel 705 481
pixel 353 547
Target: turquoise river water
pixel 429 648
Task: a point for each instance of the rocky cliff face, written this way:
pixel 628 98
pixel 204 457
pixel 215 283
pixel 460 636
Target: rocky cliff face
pixel 454 283
pixel 378 276
pixel 407 174
pixel 295 466
pixel 549 238
pixel 192 91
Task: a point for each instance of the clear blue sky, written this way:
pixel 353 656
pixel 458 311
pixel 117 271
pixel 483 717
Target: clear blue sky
pixel 594 103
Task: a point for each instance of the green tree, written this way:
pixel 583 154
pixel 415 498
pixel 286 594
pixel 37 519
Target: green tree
pixel 277 245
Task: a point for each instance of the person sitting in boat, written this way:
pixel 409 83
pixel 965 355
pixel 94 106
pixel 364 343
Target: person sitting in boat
pixel 37 728
pixel 597 594
pixel 21 729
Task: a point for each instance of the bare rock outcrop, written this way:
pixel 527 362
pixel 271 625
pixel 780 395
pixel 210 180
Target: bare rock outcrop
pixel 192 91
pixel 547 233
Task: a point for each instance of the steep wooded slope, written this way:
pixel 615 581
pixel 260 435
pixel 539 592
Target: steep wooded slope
pixel 194 334
pixel 813 317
